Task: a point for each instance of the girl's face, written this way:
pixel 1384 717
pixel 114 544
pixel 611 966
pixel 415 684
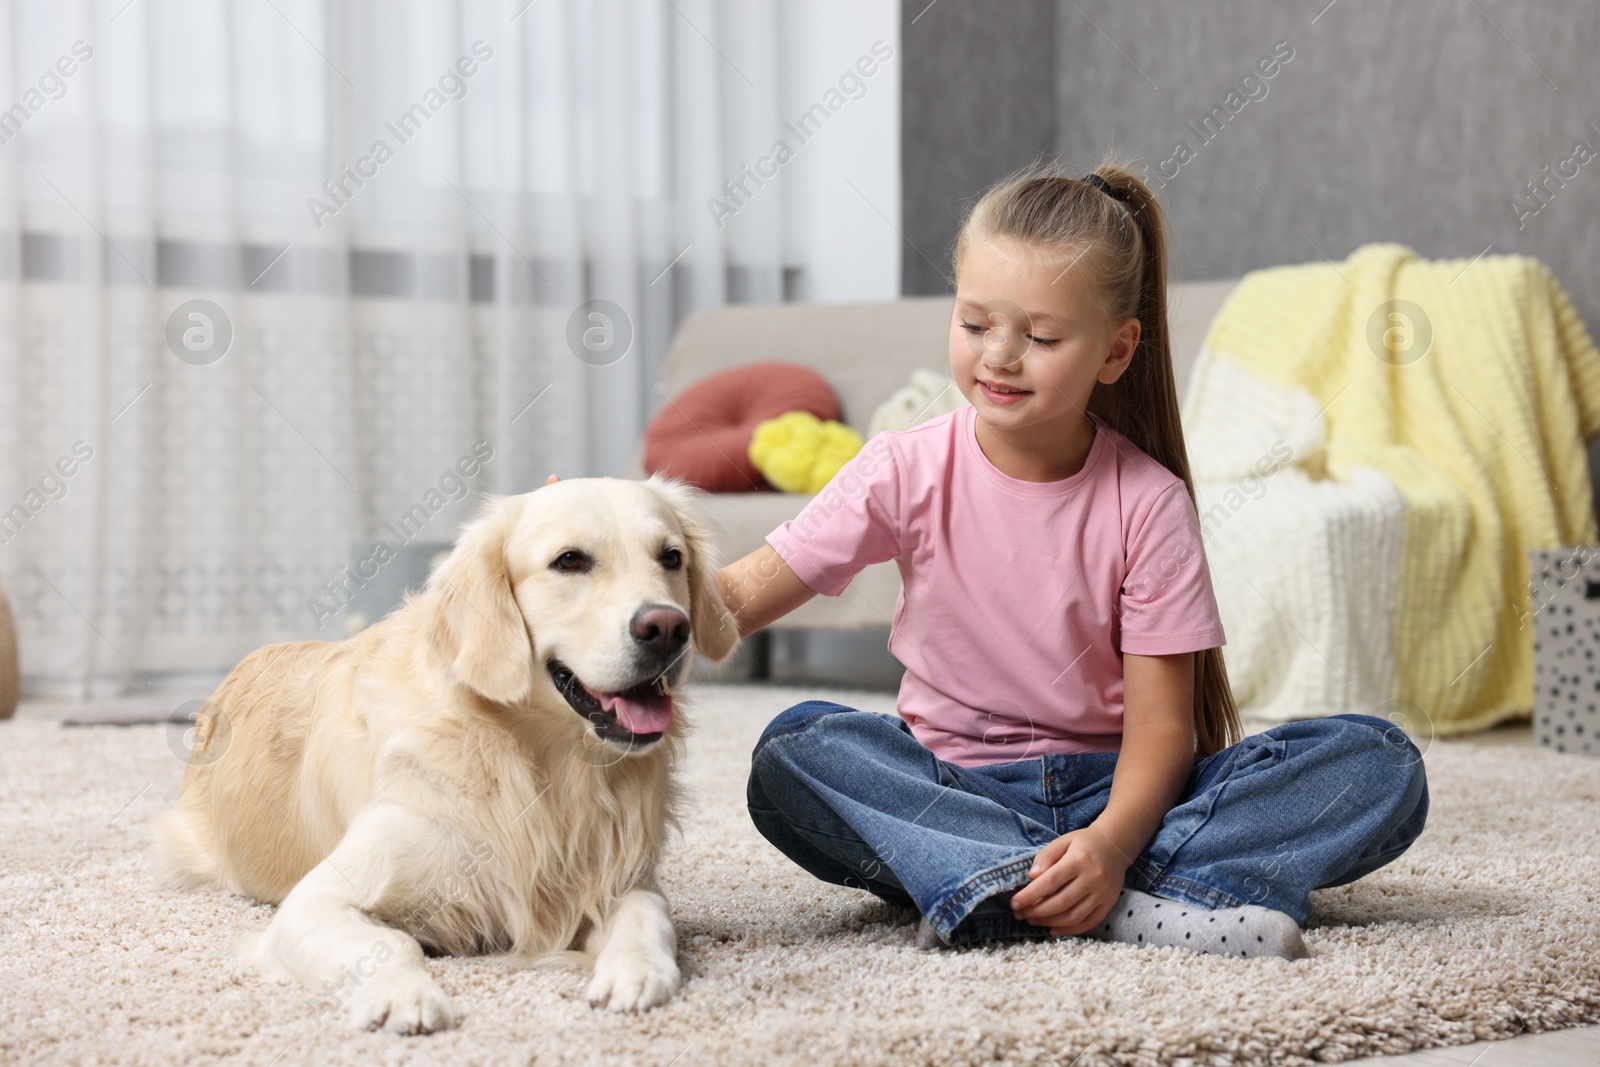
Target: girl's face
pixel 1028 339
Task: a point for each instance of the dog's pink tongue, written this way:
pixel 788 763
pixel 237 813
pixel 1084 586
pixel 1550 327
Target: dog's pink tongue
pixel 652 715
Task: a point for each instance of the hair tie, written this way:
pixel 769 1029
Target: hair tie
pixel 1103 185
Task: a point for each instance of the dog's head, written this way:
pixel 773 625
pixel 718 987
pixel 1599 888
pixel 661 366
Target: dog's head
pixel 596 589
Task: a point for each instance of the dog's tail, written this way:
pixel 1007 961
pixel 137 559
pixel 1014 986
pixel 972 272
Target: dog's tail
pixel 180 852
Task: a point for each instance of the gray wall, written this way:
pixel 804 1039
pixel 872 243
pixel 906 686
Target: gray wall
pixel 1415 122
pixel 1418 122
pixel 978 99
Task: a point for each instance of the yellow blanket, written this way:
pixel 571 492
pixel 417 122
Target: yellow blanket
pixel 1473 386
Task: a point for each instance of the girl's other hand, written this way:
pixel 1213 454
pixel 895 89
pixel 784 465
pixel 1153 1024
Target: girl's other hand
pixel 553 479
pixel 1076 879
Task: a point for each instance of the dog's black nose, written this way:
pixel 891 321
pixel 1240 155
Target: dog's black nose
pixel 660 629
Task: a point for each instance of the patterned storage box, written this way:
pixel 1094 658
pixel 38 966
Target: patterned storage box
pixel 1565 614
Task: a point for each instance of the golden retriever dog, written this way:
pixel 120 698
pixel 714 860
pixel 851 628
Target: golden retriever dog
pixel 490 768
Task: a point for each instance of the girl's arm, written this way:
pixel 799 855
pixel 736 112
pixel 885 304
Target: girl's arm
pixel 761 589
pixel 1157 749
pixel 1077 877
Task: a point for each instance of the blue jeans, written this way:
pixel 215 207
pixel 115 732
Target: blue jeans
pixel 855 799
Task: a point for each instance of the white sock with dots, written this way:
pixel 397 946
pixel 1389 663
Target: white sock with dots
pixel 1247 931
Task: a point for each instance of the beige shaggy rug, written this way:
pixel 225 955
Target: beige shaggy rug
pixel 1487 927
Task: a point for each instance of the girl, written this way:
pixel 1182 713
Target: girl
pixel 1067 757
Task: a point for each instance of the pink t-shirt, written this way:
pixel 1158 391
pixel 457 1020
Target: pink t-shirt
pixel 1018 598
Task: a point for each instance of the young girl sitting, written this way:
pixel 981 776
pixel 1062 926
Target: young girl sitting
pixel 1067 755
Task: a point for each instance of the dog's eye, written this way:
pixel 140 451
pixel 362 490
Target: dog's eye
pixel 672 559
pixel 571 562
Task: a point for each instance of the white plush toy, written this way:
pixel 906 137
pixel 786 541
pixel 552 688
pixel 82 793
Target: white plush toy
pixel 929 395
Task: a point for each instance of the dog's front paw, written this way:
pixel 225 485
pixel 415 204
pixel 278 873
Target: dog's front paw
pixel 408 1002
pixel 633 979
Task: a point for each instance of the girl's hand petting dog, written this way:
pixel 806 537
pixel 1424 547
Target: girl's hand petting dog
pixel 1076 879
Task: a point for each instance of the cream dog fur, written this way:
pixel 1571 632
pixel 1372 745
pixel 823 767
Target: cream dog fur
pixel 488 769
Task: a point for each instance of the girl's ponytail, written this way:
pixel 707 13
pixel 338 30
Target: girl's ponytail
pixel 1142 405
pixel 1113 224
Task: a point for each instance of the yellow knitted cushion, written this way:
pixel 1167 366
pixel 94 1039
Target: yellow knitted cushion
pixel 799 453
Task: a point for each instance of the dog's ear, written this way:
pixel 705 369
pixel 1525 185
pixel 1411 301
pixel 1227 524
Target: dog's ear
pixel 474 619
pixel 715 631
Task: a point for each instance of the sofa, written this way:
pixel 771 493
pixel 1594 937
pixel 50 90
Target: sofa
pixel 866 352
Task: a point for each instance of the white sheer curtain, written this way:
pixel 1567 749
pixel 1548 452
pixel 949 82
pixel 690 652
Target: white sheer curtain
pixel 398 210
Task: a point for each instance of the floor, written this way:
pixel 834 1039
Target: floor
pixel 860 660
pixel 1578 1047
pixel 863 660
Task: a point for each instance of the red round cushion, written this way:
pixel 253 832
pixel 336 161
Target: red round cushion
pixel 702 435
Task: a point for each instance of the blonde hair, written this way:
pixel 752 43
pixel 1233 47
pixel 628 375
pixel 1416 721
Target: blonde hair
pixel 1116 238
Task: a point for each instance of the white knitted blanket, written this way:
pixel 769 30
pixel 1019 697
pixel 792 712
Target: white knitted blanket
pixel 1304 568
